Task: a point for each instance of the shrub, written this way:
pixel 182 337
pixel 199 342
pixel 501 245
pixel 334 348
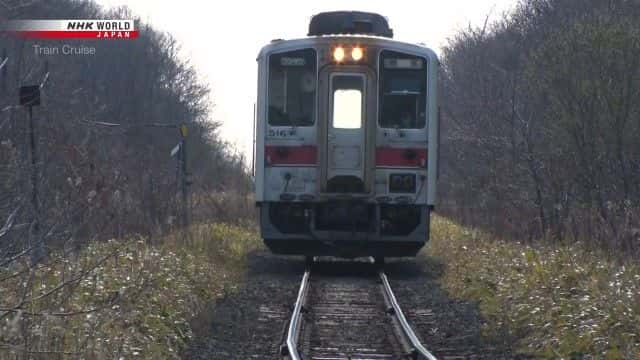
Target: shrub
pixel 554 301
pixel 120 298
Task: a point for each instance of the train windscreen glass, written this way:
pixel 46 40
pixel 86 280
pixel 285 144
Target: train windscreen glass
pixel 292 88
pixel 347 102
pixel 403 91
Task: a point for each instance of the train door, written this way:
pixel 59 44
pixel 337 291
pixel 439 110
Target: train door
pixel 346 132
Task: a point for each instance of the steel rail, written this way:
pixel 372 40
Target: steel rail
pixel 421 351
pixel 294 325
pixel 293 334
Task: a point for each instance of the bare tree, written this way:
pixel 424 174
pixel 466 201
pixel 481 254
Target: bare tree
pixel 540 139
pixel 105 130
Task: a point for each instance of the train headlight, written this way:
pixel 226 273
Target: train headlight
pixel 402 183
pixel 338 54
pixel 357 53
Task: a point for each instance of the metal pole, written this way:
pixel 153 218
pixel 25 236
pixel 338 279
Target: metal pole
pixel 184 183
pixel 38 245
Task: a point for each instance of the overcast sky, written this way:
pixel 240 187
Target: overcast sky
pixel 222 38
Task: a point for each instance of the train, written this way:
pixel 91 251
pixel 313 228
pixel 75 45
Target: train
pixel 346 140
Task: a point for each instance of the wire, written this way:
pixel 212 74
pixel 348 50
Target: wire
pixel 100 123
pixel 44 80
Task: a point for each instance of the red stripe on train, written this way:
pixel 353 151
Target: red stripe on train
pixel 386 156
pixel 291 155
pixel 66 34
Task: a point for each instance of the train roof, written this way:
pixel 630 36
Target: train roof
pixel 349 22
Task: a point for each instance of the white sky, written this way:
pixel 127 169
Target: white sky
pixel 222 38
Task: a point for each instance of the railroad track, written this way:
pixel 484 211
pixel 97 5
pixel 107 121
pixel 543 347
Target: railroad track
pixel 356 316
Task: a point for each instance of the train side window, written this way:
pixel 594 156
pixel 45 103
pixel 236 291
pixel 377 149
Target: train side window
pixel 292 88
pixel 347 102
pixel 403 91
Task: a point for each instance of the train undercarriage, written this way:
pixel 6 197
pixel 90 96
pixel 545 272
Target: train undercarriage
pixel 346 228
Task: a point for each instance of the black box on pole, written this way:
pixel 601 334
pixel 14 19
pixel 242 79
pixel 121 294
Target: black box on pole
pixel 30 95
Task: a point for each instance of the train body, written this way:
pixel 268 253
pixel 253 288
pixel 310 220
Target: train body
pixel 346 140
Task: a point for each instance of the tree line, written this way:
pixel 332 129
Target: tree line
pixel 541 123
pixel 104 133
pixel 99 156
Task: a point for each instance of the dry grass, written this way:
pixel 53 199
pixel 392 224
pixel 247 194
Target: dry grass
pixel 555 302
pixel 135 300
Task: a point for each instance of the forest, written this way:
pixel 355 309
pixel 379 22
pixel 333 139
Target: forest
pixel 104 134
pixel 540 117
pixel 94 168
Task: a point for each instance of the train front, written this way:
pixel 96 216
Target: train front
pixel 346 140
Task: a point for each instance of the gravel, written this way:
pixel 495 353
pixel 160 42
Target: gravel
pixel 250 323
pixel 448 328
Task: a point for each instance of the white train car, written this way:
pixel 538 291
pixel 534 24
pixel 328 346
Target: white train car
pixel 346 140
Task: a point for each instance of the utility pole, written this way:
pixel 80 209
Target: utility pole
pixel 184 184
pixel 30 97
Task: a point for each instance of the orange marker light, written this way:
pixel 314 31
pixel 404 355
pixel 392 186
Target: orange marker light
pixel 338 54
pixel 357 53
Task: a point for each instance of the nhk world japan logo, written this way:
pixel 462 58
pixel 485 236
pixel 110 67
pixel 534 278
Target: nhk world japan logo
pixel 72 29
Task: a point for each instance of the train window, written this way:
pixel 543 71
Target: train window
pixel 403 91
pixel 347 101
pixel 292 88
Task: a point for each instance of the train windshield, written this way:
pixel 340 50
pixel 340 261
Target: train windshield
pixel 347 101
pixel 292 88
pixel 403 91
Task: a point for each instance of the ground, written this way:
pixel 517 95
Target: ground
pixel 250 323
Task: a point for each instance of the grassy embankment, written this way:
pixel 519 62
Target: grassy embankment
pixel 562 301
pixel 137 302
